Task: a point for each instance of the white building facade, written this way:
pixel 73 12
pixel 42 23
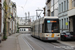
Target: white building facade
pixel 63 15
pixel 54 8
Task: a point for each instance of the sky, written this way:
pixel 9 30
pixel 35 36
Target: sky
pixel 29 6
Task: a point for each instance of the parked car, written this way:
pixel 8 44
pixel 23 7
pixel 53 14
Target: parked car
pixel 67 35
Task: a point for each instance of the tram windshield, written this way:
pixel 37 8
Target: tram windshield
pixel 51 26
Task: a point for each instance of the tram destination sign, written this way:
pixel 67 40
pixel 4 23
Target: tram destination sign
pixel 48 21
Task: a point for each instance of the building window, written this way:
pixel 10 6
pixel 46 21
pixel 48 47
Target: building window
pixel 48 1
pixel 48 12
pixel 60 24
pixel 51 2
pixel 67 4
pixel 64 23
pixel 73 3
pixel 52 13
pixel 20 29
pixel 24 29
pixel 64 5
pixel 59 8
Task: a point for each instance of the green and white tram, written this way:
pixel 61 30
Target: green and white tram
pixel 46 28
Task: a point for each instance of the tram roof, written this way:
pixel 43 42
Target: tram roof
pixel 51 17
pixel 45 17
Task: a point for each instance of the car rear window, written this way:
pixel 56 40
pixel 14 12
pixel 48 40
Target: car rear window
pixel 67 33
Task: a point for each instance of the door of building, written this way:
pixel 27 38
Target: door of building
pixel 74 24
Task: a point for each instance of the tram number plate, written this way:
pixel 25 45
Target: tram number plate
pixel 52 35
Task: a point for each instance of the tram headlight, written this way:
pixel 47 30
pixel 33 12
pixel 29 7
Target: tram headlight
pixel 57 35
pixel 47 35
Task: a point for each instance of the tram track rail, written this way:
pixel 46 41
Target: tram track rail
pixel 40 46
pixel 27 41
pixel 28 44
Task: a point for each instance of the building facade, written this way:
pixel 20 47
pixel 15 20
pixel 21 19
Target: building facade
pixel 8 19
pixel 44 11
pixel 11 15
pixel 51 8
pixel 71 15
pixel 54 8
pixel 47 8
pixel 14 17
pixel 63 15
pixel 1 17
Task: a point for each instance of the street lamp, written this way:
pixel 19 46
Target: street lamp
pixel 38 15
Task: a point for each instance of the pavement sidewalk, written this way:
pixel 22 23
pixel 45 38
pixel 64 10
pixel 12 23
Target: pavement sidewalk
pixel 14 42
pixel 10 43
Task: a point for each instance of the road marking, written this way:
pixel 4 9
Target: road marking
pixel 66 47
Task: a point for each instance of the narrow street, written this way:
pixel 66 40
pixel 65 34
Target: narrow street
pixel 37 24
pixel 36 44
pixel 27 42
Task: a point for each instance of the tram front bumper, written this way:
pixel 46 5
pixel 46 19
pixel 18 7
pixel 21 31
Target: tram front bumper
pixel 50 38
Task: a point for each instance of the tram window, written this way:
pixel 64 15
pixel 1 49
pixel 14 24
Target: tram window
pixel 51 26
pixel 24 29
pixel 43 28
